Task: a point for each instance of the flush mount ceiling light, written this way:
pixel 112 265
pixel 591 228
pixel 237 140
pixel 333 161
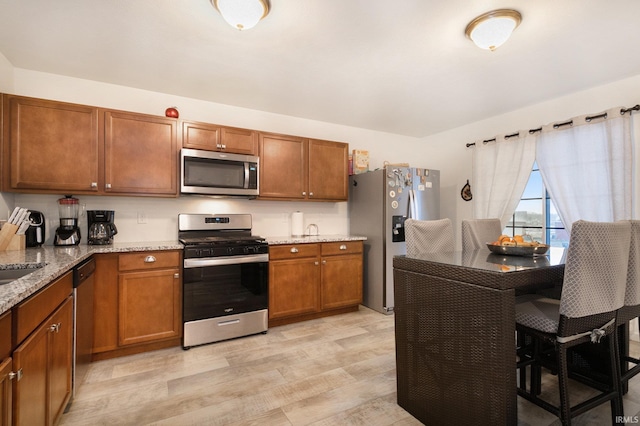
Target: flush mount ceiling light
pixel 490 30
pixel 242 14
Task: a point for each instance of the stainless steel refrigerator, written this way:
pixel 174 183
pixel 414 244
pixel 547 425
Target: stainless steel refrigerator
pixel 379 203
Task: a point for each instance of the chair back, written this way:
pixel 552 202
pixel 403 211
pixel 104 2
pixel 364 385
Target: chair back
pixel 595 274
pixel 476 233
pixel 428 236
pixel 631 307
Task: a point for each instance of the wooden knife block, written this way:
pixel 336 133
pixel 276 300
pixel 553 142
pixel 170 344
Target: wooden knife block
pixel 9 240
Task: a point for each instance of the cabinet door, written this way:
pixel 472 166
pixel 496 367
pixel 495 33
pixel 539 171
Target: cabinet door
pixel 341 281
pixel 60 359
pixel 30 392
pixel 283 167
pixel 200 136
pixel 328 170
pixel 5 392
pixel 149 306
pixel 293 287
pixel 239 141
pixel 5 335
pixel 50 146
pixel 105 303
pixel 141 154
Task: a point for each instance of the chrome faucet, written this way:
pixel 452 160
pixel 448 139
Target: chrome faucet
pixel 312 226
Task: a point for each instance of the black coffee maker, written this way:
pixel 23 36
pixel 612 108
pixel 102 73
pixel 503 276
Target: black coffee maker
pixel 101 226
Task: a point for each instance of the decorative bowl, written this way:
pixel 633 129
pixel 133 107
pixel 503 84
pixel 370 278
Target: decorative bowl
pixel 518 250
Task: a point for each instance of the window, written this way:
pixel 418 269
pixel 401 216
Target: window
pixel 536 215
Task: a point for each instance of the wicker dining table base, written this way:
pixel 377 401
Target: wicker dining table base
pixel 455 341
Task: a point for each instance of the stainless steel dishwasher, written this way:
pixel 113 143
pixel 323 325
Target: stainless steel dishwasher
pixel 82 320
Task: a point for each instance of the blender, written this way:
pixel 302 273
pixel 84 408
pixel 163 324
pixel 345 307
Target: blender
pixel 68 233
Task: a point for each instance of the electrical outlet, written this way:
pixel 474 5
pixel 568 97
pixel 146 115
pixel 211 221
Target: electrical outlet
pixel 142 217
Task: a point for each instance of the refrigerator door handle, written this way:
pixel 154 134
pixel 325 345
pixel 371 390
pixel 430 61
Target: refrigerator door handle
pixel 413 214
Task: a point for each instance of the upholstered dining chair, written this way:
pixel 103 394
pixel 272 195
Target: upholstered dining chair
pixel 631 308
pixel 428 236
pixel 593 291
pixel 476 233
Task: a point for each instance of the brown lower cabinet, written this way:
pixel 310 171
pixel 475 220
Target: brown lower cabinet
pixel 137 302
pixel 42 360
pixel 313 280
pixel 5 369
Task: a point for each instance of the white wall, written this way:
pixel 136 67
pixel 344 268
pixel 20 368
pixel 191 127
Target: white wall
pixel 445 151
pixel 270 218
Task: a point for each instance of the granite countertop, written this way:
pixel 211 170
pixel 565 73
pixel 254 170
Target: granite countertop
pixel 313 239
pixel 54 262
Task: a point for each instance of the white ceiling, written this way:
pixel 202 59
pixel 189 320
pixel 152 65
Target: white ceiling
pixel 400 66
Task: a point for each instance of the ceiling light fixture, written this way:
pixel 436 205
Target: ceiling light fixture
pixel 242 14
pixel 490 30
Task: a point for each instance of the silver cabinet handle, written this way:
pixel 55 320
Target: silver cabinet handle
pixel 324 262
pixel 294 250
pixel 343 246
pixel 176 275
pixel 55 328
pixel 17 375
pixel 304 192
pixel 108 186
pixel 224 146
pixel 218 145
pixel 94 184
pixel 311 194
pixel 316 263
pixel 149 259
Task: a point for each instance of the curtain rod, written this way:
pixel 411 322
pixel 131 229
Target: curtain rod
pixel 623 111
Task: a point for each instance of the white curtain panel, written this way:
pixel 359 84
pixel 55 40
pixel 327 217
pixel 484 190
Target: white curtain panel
pixel 501 170
pixel 587 168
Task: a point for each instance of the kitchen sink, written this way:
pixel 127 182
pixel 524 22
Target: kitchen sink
pixel 9 275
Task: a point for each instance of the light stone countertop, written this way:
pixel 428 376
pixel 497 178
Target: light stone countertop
pixel 313 239
pixel 57 261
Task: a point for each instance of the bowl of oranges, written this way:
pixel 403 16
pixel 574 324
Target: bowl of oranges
pixel 518 245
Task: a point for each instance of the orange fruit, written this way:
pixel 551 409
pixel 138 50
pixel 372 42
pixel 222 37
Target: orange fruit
pixel 504 239
pixel 518 239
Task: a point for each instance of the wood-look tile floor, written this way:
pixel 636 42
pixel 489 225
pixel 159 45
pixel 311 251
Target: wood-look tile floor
pixel 333 371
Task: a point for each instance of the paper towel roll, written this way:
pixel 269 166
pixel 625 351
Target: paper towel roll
pixel 297 224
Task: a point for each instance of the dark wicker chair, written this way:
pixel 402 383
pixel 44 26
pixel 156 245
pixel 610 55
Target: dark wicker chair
pixel 592 293
pixel 428 236
pixel 476 233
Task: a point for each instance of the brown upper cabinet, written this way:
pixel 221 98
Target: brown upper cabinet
pixel 212 137
pixel 141 154
pixel 296 168
pixel 49 146
pixel 57 147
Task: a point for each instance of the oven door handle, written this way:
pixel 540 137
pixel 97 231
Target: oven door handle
pixel 225 260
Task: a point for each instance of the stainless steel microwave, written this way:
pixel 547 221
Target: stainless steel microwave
pixel 218 173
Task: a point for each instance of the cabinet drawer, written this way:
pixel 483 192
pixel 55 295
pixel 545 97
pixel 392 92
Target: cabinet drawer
pixel 148 260
pixel 30 313
pixel 341 247
pixel 293 251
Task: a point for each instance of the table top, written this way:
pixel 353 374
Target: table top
pixel 484 268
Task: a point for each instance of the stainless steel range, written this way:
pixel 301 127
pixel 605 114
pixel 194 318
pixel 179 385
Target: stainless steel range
pixel 225 278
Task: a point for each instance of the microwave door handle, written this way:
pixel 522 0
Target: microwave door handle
pixel 246 175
